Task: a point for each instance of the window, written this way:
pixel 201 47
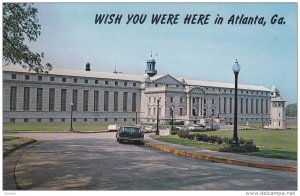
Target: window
pixel 251 106
pixel 116 95
pixel 38 119
pixel 230 91
pixel 63 79
pixel 26 98
pixel 116 83
pixel 51 99
pixel 39 100
pixel 181 111
pixel 115 119
pixel 106 82
pixel 27 77
pixel 247 105
pixel 63 120
pixel 171 111
pixel 51 119
pixel 262 106
pixel 279 114
pixel 12 120
pixel 86 81
pixel 154 111
pixel 51 78
pixel 95 119
pixel 125 119
pixel 256 106
pixel 13 76
pixel 167 85
pixel 13 98
pixel 125 83
pixel 106 100
pixel 96 81
pixel 224 90
pixel 26 120
pixel 204 101
pixel 149 111
pixel 204 112
pixel 85 100
pixel 154 99
pixel 213 112
pixel 85 119
pixel 181 100
pixel 267 107
pixel 149 99
pixel 74 99
pixel 279 123
pixel 74 119
pixel 63 99
pixel 171 99
pixel 230 105
pixel 193 100
pixel 96 100
pixel 213 101
pixel 125 97
pixel 75 80
pixel 225 100
pixel 133 102
pixel 242 105
pixel 105 119
pixel 134 84
pixel 156 85
pixel 40 78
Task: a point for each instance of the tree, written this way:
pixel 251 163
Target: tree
pixel 291 110
pixel 20 22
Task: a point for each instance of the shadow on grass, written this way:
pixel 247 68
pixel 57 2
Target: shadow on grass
pixel 277 154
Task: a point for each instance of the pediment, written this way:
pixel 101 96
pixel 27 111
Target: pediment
pixel 167 79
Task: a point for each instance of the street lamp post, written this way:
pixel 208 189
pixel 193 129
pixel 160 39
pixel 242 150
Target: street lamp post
pixel 71 116
pixel 236 69
pixel 157 130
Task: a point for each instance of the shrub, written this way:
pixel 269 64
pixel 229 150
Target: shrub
pixel 191 136
pixel 182 134
pixel 244 146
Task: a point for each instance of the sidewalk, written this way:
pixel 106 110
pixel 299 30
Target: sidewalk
pixel 12 145
pixel 221 157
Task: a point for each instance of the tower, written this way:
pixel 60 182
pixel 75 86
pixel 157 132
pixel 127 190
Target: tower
pixel 277 112
pixel 150 70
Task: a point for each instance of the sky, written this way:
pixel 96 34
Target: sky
pixel 267 54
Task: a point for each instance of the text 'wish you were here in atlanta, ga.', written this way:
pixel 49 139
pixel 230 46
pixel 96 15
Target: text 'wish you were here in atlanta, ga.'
pixel 199 19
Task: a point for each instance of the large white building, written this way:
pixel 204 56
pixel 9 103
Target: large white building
pixel 121 98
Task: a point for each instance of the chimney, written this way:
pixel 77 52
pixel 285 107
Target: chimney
pixel 87 67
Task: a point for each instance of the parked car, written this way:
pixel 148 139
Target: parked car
pixel 179 127
pixel 196 126
pixel 151 129
pixel 213 127
pixel 130 134
pixel 113 127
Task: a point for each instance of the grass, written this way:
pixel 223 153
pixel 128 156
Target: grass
pixel 51 127
pixel 9 138
pixel 280 144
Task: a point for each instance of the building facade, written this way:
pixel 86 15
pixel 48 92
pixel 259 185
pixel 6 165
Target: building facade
pixel 126 98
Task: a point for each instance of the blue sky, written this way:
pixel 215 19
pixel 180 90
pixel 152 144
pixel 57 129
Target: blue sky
pixel 267 54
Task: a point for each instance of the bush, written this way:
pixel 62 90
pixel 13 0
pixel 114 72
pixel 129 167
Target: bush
pixel 191 136
pixel 244 146
pixel 182 134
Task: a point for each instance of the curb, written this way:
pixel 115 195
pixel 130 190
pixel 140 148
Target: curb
pixel 221 160
pixel 18 147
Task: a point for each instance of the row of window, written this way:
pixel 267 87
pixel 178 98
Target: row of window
pixel 26 120
pixel 63 100
pixel 75 80
pixel 249 107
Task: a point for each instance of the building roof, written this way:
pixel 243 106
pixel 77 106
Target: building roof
pixel 277 99
pixel 225 85
pixel 80 73
pixel 132 77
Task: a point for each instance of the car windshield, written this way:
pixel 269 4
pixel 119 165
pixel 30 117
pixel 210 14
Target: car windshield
pixel 131 130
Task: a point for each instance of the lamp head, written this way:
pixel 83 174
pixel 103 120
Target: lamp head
pixel 71 103
pixel 236 67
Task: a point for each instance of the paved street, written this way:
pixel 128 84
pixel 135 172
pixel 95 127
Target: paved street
pixel 97 162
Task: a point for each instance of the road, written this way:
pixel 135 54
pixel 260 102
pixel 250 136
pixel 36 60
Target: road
pixel 95 161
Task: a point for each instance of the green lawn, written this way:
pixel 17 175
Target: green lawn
pixel 9 138
pixel 49 127
pixel 272 143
